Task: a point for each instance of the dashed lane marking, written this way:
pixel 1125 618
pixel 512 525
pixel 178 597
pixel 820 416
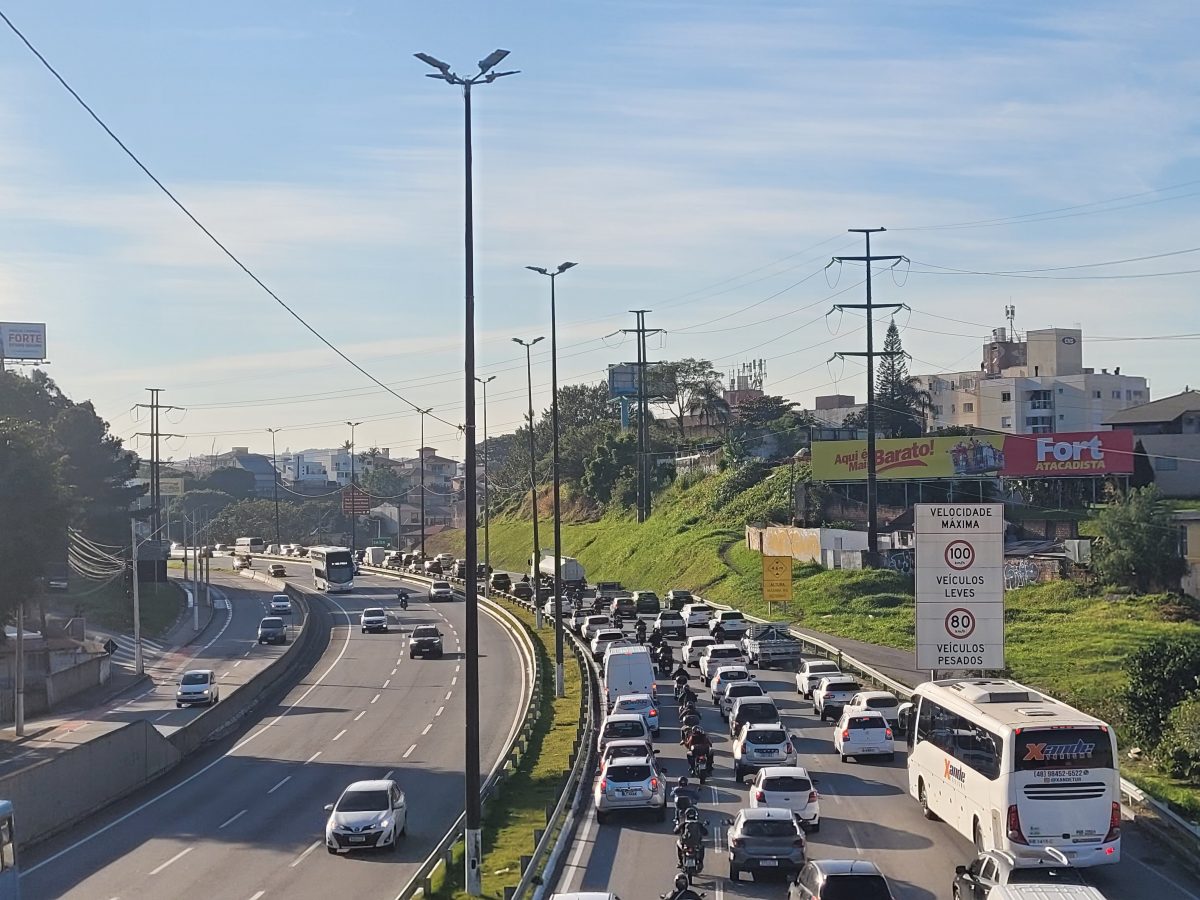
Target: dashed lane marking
pixel 426 729
pixel 441 709
pixel 449 694
pixel 386 683
pixel 232 819
pixel 408 752
pixel 360 715
pixel 338 736
pixel 286 779
pixel 178 856
pixel 299 859
pixel 311 758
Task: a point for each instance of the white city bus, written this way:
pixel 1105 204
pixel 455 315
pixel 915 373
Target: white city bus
pixel 333 568
pixel 246 545
pixel 1014 770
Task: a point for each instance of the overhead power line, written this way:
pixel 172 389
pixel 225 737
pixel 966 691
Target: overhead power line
pixel 200 225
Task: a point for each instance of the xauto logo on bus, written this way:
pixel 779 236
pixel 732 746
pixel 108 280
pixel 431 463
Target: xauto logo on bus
pixel 1055 752
pixel 958 773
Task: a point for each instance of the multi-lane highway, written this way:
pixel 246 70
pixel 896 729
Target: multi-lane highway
pixel 865 812
pixel 246 819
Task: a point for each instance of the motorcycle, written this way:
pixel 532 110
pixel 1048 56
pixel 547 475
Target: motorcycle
pixel 693 861
pixel 404 601
pixel 701 767
pixel 664 664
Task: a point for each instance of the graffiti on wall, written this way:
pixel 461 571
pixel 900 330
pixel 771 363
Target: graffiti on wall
pixel 1020 573
pixel 900 561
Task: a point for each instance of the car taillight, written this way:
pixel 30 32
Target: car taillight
pixel 737 842
pixel 654 784
pixel 604 784
pixel 759 796
pixel 788 747
pixel 653 713
pixel 845 734
pixel 812 796
pixel 1114 823
pixel 798 842
pixel 654 689
pixel 888 732
pixel 1014 826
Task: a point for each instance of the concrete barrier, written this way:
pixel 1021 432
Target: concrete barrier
pixel 57 792
pixel 52 795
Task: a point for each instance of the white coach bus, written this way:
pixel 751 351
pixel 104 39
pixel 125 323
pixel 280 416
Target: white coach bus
pixel 1014 770
pixel 333 568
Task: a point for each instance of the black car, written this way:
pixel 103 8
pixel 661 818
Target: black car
pixel 677 599
pixel 272 630
pixel 501 582
pixel 647 603
pixel 426 640
pixel 624 607
pixel 522 590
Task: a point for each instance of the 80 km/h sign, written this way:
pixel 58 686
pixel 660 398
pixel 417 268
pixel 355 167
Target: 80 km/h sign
pixel 960 623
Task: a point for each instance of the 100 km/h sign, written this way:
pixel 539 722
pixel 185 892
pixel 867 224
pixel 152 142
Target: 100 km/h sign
pixel 960 586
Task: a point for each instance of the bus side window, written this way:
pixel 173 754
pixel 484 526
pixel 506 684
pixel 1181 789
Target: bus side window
pixel 924 724
pixel 8 850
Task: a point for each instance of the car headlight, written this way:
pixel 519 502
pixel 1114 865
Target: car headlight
pixel 385 823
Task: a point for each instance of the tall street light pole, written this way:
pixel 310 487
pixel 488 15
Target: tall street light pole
pixel 559 684
pixel 536 559
pixel 473 816
pixel 353 489
pixel 487 480
pixel 421 463
pixel 275 471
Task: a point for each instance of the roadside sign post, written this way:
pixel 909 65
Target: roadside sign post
pixel 960 586
pixel 776 581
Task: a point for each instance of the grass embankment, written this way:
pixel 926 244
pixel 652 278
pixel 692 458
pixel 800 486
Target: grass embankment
pixel 521 802
pixel 1061 637
pixel 107 607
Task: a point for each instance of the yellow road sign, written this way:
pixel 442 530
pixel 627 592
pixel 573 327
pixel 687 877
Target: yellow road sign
pixel 777 578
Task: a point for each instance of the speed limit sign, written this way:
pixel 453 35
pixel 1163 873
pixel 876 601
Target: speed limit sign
pixel 960 623
pixel 960 555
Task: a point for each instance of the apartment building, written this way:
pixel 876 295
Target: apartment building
pixel 1036 385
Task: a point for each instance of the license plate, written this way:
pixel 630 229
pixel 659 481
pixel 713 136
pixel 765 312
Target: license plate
pixel 358 839
pixel 768 862
pixel 628 793
pixel 766 752
pixel 869 749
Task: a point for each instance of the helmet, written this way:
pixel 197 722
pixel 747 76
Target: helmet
pixel 681 882
pixel 683 782
pixel 692 814
pixel 698 731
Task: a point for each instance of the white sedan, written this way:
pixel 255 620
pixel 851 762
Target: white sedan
pixel 368 814
pixel 568 609
pixel 863 732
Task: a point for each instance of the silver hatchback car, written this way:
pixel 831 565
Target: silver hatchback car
pixel 630 783
pixel 766 839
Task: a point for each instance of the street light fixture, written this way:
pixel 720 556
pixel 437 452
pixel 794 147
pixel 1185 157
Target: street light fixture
pixel 487 482
pixel 275 472
pixel 472 785
pixel 536 559
pixel 559 683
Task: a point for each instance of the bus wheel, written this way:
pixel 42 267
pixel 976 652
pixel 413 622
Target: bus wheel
pixel 924 801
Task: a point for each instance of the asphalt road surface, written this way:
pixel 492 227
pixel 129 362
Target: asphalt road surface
pixel 246 820
pixel 865 812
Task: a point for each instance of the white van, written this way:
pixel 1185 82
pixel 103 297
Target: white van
pixel 628 670
pixel 1044 892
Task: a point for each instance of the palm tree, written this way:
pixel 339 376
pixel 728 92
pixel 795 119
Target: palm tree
pixel 709 403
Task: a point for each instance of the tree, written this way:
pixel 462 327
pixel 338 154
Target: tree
pixel 710 404
pixel 1161 672
pixel 683 383
pixel 238 483
pixel 1138 543
pixel 33 526
pixel 617 456
pixel 900 403
pixel 582 404
pixel 382 482
pixel 205 498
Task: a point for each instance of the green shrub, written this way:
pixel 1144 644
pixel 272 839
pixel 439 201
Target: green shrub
pixel 1179 750
pixel 1161 672
pixel 744 476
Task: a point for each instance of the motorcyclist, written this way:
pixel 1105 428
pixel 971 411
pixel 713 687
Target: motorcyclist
pixel 699 746
pixel 665 657
pixel 719 633
pixel 402 596
pixel 681 891
pixel 640 628
pixel 684 797
pixel 686 696
pixel 689 717
pixel 691 837
pixel 655 638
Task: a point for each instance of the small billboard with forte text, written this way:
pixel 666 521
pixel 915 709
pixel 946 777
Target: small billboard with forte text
pixel 978 455
pixel 22 340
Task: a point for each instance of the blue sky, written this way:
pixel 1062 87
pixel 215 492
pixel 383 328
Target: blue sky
pixel 698 159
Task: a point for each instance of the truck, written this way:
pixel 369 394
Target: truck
pixel 373 556
pixel 570 570
pixel 770 645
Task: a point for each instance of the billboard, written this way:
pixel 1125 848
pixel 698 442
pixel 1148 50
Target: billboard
pixel 623 381
pixel 979 455
pixel 22 340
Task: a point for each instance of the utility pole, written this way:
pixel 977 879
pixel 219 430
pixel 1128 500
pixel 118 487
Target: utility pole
pixel 487 516
pixel 19 704
pixel 421 455
pixel 138 665
pixel 535 560
pixel 353 491
pixel 155 407
pixel 870 306
pixel 643 404
pixel 275 472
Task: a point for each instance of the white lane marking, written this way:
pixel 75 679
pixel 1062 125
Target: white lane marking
pixel 386 683
pixel 163 716
pixel 232 819
pixel 247 653
pixel 388 774
pixel 180 855
pixel 171 790
pixel 256 896
pixel 425 731
pixel 456 668
pixel 449 694
pixel 454 681
pixel 227 674
pixel 400 660
pixel 360 715
pixel 286 779
pixel 853 839
pixel 1171 881
pixel 338 736
pixel 441 709
pixel 408 752
pixel 394 671
pixel 376 697
pixel 311 758
pixel 238 663
pixel 299 859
